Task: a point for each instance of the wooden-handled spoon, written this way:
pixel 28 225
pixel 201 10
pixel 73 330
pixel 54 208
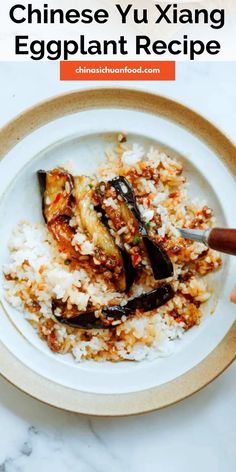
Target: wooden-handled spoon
pixel 221 239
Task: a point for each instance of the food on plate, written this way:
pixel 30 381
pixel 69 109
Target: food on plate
pixel 107 252
pixel 111 316
pixel 161 264
pixel 107 275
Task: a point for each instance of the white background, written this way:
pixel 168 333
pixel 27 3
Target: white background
pixel 198 434
pixel 113 28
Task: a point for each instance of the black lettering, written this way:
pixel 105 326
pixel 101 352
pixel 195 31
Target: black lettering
pixel 159 47
pixel 196 48
pixel 185 17
pixel 35 12
pixel 125 12
pixel 72 16
pixel 94 47
pixel 87 16
pixel 163 13
pixel 54 53
pixel 122 42
pixel 203 12
pixel 58 12
pixel 173 43
pixel 220 22
pixel 145 45
pixel 175 13
pixel 82 45
pixel 12 13
pixel 213 47
pixel 70 47
pixel 108 43
pixel 101 16
pixel 19 45
pixel 141 19
pixel 185 44
pixel 37 49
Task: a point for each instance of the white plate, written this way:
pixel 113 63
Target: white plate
pixel 83 137
pixel 59 142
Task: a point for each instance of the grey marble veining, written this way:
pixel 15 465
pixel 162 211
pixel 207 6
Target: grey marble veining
pixel 36 437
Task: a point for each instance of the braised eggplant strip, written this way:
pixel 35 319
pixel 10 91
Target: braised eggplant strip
pixel 123 188
pixel 162 266
pixel 120 219
pixel 72 317
pixel 130 271
pixel 111 316
pixel 85 320
pixel 107 253
pixel 146 302
pixel 58 207
pixel 42 180
pixel 56 188
pixel 62 232
pixel 160 262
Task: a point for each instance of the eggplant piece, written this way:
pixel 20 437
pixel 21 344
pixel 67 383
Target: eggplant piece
pixel 130 271
pixel 162 266
pixel 106 250
pixel 104 218
pixel 120 217
pixel 111 314
pixel 145 302
pixel 42 179
pixel 123 188
pixel 85 320
pixel 56 187
pixel 79 319
pixel 63 233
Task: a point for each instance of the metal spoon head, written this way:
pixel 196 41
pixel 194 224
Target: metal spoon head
pixel 194 234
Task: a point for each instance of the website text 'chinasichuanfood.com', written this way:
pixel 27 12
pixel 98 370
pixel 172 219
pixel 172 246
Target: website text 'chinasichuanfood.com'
pixel 117 70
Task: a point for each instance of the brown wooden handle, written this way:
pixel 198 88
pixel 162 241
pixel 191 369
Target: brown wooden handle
pixel 223 240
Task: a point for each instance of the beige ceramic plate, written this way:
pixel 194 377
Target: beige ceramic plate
pixel 83 120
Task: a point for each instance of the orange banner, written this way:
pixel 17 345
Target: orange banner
pixel 117 70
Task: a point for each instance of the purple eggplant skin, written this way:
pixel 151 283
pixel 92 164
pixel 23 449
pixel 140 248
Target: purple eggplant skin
pixel 42 176
pixel 130 271
pixel 162 266
pixel 145 302
pixel 123 187
pixel 42 181
pixel 86 320
pixel 52 210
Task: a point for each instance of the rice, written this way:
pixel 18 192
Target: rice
pixel 37 272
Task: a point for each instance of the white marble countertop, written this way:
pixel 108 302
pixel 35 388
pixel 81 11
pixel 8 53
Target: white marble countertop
pixel 197 434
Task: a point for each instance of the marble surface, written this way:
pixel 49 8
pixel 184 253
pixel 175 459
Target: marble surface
pixel 197 434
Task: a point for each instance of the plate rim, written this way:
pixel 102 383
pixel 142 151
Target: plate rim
pixel 210 367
